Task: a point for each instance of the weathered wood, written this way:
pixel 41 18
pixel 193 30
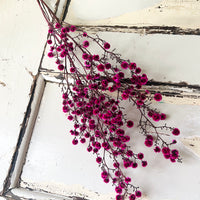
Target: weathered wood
pixel 192 143
pixel 142 30
pixel 176 93
pixel 27 194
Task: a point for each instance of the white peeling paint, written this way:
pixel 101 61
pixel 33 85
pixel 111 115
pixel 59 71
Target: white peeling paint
pixel 68 190
pixel 36 195
pixel 180 13
pixel 183 101
pixel 193 144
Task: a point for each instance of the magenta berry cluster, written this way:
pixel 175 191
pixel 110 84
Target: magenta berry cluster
pixel 99 121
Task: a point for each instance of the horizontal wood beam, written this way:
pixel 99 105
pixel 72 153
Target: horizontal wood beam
pixel 142 29
pixel 176 93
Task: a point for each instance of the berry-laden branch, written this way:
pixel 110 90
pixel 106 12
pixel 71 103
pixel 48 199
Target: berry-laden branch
pixel 99 120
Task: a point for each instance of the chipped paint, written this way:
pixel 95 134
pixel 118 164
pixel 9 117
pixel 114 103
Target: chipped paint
pixel 31 73
pixel 28 194
pixel 192 143
pixel 176 17
pixel 2 83
pixel 142 29
pixel 73 190
pixel 174 93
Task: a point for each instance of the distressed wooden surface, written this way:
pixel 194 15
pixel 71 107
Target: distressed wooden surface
pixel 172 63
pixel 193 144
pixel 180 93
pixel 27 194
pixel 154 17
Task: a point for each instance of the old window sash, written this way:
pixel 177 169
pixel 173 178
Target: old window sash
pixel 12 188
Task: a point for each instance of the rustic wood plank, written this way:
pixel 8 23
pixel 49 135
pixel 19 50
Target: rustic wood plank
pixel 175 93
pixel 27 194
pixel 142 29
pixel 192 143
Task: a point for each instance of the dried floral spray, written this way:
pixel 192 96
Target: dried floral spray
pixel 99 119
